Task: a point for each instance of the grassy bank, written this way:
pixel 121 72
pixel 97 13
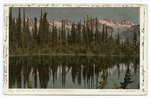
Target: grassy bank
pixel 14 55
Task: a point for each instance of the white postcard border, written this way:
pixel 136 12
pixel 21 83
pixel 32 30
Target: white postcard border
pixel 143 53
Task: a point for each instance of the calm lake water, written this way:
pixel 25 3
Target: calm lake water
pixel 74 72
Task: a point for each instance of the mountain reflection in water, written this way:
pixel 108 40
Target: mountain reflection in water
pixel 74 72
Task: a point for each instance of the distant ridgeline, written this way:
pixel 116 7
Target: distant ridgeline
pixel 94 36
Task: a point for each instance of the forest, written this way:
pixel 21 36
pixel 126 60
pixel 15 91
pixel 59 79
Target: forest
pixel 81 39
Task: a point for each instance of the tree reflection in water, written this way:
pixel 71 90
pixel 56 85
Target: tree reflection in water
pixel 127 79
pixel 89 72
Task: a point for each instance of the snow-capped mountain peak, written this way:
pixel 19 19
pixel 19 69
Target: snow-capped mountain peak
pixel 67 22
pixel 124 28
pixel 126 22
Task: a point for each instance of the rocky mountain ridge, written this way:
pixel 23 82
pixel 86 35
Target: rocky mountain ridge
pixel 125 28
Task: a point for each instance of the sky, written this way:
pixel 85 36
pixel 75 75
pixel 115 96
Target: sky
pixel 75 14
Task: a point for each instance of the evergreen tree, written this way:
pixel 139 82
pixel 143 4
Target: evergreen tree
pixel 10 25
pixel 10 22
pixel 12 33
pixel 134 38
pixel 68 38
pixel 135 46
pixel 83 33
pixel 22 40
pixel 19 30
pixel 45 27
pixel 103 34
pixel 62 29
pixel 40 35
pixel 79 32
pixel 59 34
pixel 24 33
pixel 96 33
pixel 118 38
pixel 106 35
pixel 53 36
pixel 24 22
pixel 35 28
pixel 91 33
pixel 87 31
pixel 24 28
pixel 63 32
pixel 73 34
pixel 28 30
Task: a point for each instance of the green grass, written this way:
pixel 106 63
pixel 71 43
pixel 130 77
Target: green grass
pixel 14 55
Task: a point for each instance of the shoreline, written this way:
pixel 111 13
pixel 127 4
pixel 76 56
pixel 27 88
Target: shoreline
pixel 38 54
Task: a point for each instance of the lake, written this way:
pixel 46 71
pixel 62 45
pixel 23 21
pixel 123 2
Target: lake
pixel 74 72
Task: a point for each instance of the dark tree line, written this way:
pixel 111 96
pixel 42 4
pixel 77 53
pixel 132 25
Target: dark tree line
pixel 80 39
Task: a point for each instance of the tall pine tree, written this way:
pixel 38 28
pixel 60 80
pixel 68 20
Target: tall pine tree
pixel 19 30
pixel 35 29
pixel 40 35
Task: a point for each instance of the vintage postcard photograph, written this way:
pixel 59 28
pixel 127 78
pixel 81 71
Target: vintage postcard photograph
pixel 75 49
